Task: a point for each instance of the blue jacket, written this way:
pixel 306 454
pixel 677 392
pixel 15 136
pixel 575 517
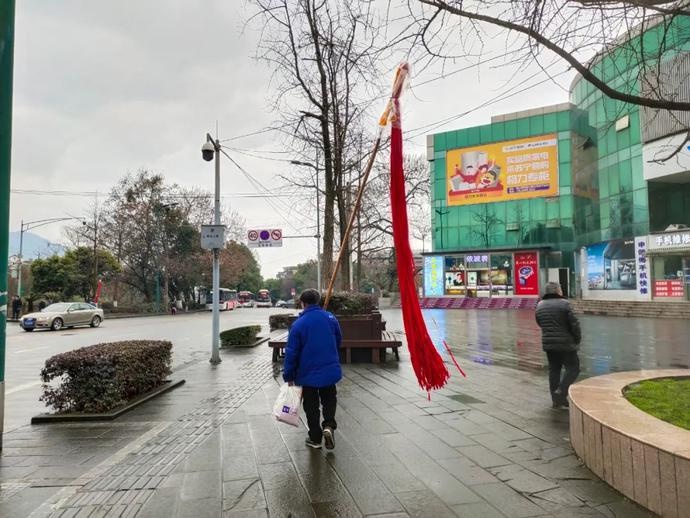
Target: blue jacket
pixel 312 354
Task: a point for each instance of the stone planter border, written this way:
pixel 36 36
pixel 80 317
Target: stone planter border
pixel 645 458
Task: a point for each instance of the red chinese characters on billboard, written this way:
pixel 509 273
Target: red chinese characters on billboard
pixel 668 288
pixel 526 273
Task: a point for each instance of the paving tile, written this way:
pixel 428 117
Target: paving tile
pixel 201 485
pixel 625 509
pixel 253 513
pixel 479 510
pixel 240 467
pixel 289 499
pixel 199 508
pixel 467 472
pixel 398 478
pixel 277 475
pixel 337 509
pixel 324 487
pixel 243 495
pixel 522 480
pixel 510 502
pixel 424 504
pixel 162 504
pixel 483 457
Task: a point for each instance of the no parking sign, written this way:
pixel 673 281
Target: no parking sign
pixel 265 238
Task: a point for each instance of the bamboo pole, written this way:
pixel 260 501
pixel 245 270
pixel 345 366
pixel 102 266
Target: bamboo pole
pixel 353 215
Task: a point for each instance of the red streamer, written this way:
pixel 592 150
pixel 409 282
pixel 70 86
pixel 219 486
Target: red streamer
pixel 428 365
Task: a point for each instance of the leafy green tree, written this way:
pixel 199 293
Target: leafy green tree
pixel 53 275
pixel 82 266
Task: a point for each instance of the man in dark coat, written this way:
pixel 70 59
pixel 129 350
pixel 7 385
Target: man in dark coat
pixel 560 338
pixel 312 361
pixel 16 307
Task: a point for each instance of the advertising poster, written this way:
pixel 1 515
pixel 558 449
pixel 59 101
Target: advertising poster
pixel 503 171
pixel 433 276
pixel 526 273
pixel 669 288
pixel 455 275
pixel 611 265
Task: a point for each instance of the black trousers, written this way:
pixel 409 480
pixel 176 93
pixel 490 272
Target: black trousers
pixel 311 397
pixel 557 361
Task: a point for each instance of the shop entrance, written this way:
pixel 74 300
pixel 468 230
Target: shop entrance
pixel 671 277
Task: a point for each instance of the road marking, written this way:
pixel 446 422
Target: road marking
pixel 22 387
pixel 33 349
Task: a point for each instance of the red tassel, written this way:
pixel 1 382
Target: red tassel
pixel 428 365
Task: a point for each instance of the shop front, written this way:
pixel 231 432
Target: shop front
pixel 669 254
pixel 482 274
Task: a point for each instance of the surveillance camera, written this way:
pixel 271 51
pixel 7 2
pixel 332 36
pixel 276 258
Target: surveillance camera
pixel 207 151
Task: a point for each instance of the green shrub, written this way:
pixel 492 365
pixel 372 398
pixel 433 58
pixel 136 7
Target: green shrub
pixel 104 376
pixel 240 336
pixel 280 321
pixel 345 303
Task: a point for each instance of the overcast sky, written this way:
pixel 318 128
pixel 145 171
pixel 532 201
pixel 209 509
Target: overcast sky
pixel 106 88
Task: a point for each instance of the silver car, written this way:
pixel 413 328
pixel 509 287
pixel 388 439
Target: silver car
pixel 63 314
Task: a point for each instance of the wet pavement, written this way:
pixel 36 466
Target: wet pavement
pixel 488 445
pixel 609 344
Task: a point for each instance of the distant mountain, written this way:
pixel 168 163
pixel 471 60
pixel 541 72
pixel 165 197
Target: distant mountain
pixel 34 247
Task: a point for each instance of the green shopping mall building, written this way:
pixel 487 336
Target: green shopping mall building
pixel 575 193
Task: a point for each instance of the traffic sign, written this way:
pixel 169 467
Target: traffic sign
pixel 212 236
pixel 265 238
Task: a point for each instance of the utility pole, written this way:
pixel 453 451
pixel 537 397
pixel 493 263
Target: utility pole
pixel 318 217
pixel 6 68
pixel 209 150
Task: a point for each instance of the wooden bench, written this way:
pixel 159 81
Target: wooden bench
pixel 388 340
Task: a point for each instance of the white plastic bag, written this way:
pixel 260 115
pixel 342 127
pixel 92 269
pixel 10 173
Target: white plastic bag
pixel 286 408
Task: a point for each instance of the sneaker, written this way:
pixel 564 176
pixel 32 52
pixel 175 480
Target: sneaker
pixel 313 444
pixel 328 438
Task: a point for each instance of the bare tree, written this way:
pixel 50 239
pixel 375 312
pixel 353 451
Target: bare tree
pixel 376 225
pixel 323 54
pixel 486 222
pixel 577 33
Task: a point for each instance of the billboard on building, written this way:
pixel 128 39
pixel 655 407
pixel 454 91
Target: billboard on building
pixel 526 273
pixel 611 265
pixel 433 276
pixel 503 171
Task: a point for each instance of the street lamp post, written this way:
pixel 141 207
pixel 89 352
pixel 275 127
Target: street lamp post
pixel 318 221
pixel 25 227
pixel 209 150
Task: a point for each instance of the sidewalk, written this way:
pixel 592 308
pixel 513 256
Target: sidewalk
pixel 486 446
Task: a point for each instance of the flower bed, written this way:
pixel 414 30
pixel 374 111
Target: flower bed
pixel 104 376
pixel 245 335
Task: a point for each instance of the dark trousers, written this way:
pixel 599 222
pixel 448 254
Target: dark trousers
pixel 15 314
pixel 557 361
pixel 311 397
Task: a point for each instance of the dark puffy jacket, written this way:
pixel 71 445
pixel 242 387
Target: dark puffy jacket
pixel 312 352
pixel 560 329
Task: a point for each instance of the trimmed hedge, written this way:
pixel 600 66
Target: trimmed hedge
pixel 240 336
pixel 280 321
pixel 104 376
pixel 345 303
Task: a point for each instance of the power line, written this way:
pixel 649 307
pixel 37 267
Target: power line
pixel 269 194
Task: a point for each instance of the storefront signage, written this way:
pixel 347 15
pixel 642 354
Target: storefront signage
pixel 670 241
pixel 526 273
pixel 508 170
pixel 477 262
pixel 433 276
pixel 643 272
pixel 669 288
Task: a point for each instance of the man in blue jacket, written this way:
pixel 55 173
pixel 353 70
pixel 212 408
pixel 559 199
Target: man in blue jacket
pixel 312 361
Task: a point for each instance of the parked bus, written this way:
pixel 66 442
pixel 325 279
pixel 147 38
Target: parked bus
pixel 263 299
pixel 245 299
pixel 227 299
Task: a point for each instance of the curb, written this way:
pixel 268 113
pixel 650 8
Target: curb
pixel 106 416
